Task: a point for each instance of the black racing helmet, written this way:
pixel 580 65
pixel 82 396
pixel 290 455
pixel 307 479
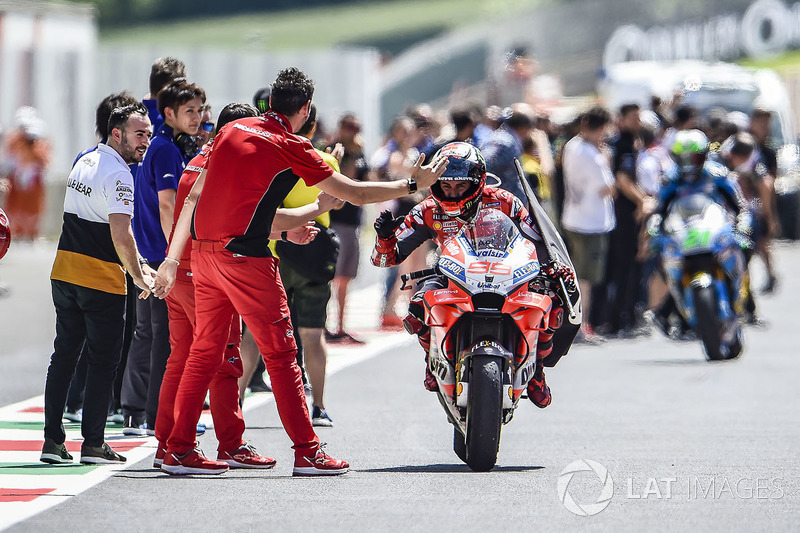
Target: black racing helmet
pixel 465 163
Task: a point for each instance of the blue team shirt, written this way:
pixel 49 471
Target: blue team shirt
pixel 160 170
pixel 499 152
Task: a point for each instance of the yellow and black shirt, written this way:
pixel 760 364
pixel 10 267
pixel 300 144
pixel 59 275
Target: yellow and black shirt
pixel 99 185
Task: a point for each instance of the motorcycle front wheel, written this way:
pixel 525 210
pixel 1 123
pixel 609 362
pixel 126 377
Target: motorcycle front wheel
pixel 484 412
pixel 709 327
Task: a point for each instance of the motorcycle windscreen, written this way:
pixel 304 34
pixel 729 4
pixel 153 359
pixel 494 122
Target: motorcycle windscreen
pixel 563 336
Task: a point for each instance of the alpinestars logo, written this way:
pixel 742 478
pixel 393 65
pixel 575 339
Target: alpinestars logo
pixel 585 509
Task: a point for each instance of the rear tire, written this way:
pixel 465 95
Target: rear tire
pixel 484 413
pixel 709 326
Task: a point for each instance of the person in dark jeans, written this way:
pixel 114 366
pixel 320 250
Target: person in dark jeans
pixel 89 286
pixel 75 396
pixel 624 271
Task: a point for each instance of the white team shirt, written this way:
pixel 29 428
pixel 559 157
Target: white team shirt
pixel 99 185
pixel 586 173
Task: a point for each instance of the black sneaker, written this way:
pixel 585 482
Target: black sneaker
pixel 54 454
pixel 100 455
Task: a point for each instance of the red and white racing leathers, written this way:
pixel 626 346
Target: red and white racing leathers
pixel 427 221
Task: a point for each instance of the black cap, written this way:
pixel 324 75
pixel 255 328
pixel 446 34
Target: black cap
pixel 261 99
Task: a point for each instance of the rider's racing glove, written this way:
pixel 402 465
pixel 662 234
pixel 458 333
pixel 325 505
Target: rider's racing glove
pixel 386 224
pixel 556 270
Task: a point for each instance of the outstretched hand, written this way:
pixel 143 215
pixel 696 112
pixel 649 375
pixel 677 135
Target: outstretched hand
pixel 425 176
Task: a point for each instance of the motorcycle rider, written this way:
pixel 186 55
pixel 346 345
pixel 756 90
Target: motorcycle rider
pixel 695 172
pixel 455 200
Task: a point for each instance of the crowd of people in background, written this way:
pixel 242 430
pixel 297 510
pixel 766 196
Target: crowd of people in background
pixel 598 176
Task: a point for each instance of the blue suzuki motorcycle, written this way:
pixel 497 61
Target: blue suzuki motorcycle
pixel 702 259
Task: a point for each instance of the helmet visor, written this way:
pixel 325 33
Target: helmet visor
pixel 459 169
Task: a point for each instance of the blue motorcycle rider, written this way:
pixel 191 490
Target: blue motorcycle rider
pixel 695 172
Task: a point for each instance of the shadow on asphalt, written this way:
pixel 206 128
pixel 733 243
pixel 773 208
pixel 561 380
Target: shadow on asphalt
pixel 446 469
pixel 152 473
pixel 673 362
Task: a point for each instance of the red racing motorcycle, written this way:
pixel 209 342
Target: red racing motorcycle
pixel 485 326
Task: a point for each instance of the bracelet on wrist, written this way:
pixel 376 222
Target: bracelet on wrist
pixel 171 260
pixel 285 236
pixel 142 261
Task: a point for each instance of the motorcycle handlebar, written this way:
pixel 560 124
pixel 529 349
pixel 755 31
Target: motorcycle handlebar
pixel 405 278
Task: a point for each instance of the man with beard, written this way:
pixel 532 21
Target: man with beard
pixel 88 283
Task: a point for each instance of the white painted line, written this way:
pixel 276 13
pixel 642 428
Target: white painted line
pixel 66 486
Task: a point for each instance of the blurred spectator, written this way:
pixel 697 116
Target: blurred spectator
pixel 505 145
pixel 26 156
pixel 394 160
pixel 464 119
pixel 492 117
pixel 588 216
pixel 652 166
pixel 623 270
pixel 346 222
pixel 685 119
pixel 533 170
pixel 568 131
pixel 741 154
pixel 760 126
pixel 163 71
pixel 426 127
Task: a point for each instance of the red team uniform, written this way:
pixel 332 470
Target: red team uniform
pixel 254 164
pixel 229 424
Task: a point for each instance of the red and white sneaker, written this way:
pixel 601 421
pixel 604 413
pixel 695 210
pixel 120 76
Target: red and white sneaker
pixel 245 456
pixel 319 464
pixel 161 452
pixel 192 462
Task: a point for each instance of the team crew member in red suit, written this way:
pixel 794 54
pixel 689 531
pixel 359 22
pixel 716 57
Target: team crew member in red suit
pixel 254 164
pixel 224 389
pixel 455 200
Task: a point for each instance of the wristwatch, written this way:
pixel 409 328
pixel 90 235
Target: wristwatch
pixel 143 261
pixel 412 185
